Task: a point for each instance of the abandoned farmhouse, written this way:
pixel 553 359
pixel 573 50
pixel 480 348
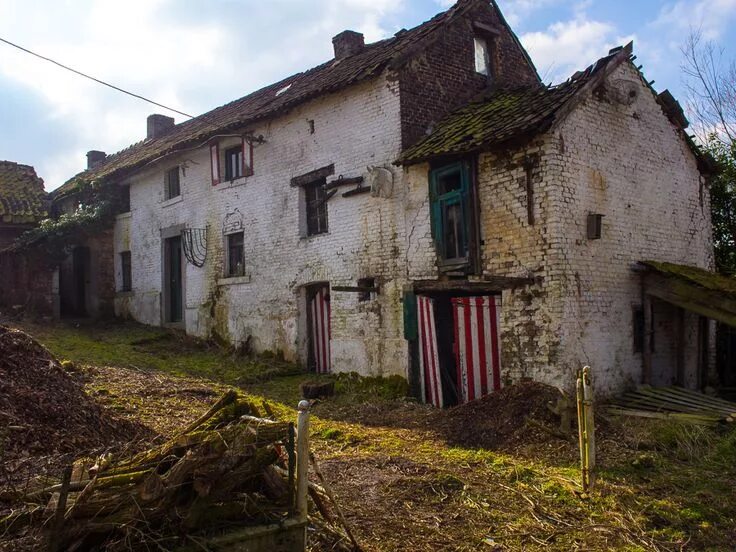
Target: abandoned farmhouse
pixel 422 206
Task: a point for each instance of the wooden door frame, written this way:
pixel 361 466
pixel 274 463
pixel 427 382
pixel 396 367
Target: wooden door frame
pixel 310 290
pixel 166 234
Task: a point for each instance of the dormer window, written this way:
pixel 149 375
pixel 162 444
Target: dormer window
pixel 482 57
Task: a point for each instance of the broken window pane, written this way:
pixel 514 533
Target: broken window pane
pixel 449 183
pixel 235 256
pixel 454 238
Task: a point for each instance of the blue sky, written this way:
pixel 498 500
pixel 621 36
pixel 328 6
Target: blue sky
pixel 195 55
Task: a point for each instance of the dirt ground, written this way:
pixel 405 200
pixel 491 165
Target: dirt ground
pixel 410 477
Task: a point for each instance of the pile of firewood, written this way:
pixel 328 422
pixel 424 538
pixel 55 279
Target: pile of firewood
pixel 228 470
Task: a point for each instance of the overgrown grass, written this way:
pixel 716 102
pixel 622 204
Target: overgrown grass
pixel 669 487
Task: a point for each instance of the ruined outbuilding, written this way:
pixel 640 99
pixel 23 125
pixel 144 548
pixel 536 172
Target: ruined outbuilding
pixel 23 204
pixel 421 206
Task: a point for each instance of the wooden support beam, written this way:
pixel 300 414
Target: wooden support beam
pixel 341 181
pixel 646 357
pixel 708 303
pixel 680 347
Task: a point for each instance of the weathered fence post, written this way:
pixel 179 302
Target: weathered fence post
pixel 302 460
pixel 586 427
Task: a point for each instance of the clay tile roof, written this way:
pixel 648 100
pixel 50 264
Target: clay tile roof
pixel 329 77
pixel 503 117
pixel 22 197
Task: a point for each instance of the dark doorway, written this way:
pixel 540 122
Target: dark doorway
pixel 726 357
pixel 80 280
pixel 318 327
pixel 446 348
pixel 173 280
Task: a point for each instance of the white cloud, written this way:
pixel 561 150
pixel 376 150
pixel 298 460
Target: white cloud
pixel 712 17
pixel 567 46
pixel 190 56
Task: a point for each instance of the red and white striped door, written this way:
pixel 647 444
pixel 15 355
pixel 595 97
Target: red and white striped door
pixel 429 362
pixel 477 352
pixel 320 315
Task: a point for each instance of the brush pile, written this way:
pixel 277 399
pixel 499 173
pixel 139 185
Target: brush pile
pixel 43 410
pixel 228 471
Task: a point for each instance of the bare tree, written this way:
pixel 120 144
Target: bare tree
pixel 711 86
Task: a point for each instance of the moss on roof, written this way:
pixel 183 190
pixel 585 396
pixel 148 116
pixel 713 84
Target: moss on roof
pixel 504 116
pixel 706 279
pixel 22 197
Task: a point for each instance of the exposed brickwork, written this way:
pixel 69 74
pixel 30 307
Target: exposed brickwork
pixel 442 76
pixel 26 282
pixel 628 163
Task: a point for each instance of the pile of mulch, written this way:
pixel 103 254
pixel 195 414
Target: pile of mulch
pixel 501 420
pixel 43 408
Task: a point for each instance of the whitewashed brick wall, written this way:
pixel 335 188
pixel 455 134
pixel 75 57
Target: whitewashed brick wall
pixel 355 128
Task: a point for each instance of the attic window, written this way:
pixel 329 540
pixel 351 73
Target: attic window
pixel 482 57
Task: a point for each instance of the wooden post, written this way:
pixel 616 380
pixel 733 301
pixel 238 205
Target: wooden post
pixel 680 348
pixel 586 427
pixel 589 424
pixel 581 430
pixel 646 354
pixel 55 537
pixel 302 460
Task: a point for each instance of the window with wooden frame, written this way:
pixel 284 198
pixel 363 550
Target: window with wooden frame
pixel 126 272
pixel 172 187
pixel 235 255
pixel 316 207
pixel 238 161
pixel 452 213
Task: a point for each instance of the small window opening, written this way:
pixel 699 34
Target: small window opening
pixel 482 58
pixel 366 283
pixel 595 226
pixel 310 124
pixel 125 199
pixel 233 163
pixel 316 207
pixel 235 255
pixel 126 283
pixel 172 185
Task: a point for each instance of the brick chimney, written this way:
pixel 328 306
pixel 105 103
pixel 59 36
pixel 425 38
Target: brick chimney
pixel 348 43
pixel 158 125
pixel 94 158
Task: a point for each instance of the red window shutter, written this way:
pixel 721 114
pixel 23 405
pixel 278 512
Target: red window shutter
pixel 215 163
pixel 247 158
